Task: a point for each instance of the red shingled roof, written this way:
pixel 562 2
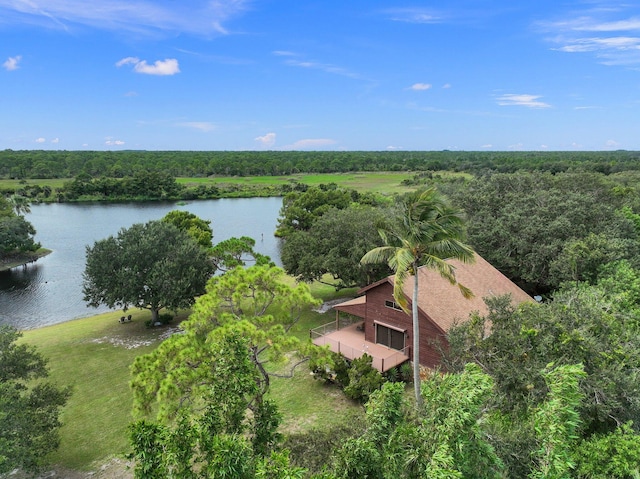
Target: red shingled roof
pixel 443 302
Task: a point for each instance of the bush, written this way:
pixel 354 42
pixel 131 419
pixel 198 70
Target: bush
pixel 357 378
pixel 363 379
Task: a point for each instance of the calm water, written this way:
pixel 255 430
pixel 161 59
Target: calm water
pixel 49 291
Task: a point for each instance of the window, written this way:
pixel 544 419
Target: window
pixel 393 305
pixel 392 338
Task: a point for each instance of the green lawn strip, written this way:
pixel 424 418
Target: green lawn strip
pixel 93 356
pixel 53 183
pixel 381 182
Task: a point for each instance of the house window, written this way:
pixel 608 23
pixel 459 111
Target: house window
pixel 392 305
pixel 392 338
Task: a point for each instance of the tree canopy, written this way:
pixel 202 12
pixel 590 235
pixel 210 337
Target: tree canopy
pixel 150 266
pixel 30 406
pixel 16 233
pixel 253 302
pixel 334 245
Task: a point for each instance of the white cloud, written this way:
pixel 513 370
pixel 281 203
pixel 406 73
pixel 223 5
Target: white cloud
pixel 394 148
pixel 55 140
pixel 530 101
pixel 40 140
pixel 414 15
pixel 283 53
pixel 267 140
pixel 610 35
pixel 310 144
pixel 12 63
pixel 198 125
pixel 325 67
pixel 420 86
pixel 446 86
pixel 203 17
pixel 112 142
pixel 612 144
pixel 488 145
pixel 168 66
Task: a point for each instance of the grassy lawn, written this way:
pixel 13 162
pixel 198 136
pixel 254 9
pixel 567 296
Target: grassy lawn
pixel 93 355
pixel 16 184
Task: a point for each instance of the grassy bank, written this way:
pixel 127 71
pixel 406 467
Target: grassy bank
pixel 379 182
pixel 94 354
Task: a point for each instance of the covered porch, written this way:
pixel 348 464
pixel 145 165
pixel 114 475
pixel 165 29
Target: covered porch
pixel 350 342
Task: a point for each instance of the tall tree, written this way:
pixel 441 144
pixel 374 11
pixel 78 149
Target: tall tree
pixel 150 266
pixel 427 232
pixel 29 411
pixel 254 302
pixel 199 229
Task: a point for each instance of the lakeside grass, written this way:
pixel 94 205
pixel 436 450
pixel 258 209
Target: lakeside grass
pixel 94 354
pixel 379 182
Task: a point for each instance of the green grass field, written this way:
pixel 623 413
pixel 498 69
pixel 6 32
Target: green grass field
pixel 93 355
pixel 380 182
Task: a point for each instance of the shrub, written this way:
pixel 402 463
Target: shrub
pixel 363 379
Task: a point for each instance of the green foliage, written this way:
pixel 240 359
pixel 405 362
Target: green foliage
pixel 364 379
pixel 556 422
pixel 118 164
pixel 315 448
pixel 197 228
pixel 609 456
pixel 150 266
pixel 444 439
pixel 234 252
pixel 16 233
pixel 29 409
pixel 358 378
pixel 579 326
pixel 300 209
pixel 147 441
pixel 277 466
pixel 544 229
pixel 249 303
pixel 142 185
pixel 334 244
pixel 360 458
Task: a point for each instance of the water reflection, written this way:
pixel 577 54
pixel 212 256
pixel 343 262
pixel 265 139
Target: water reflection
pixel 49 291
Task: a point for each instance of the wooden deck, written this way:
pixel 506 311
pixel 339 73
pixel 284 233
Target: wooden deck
pixel 349 341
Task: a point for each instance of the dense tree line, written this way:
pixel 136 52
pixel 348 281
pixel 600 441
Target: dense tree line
pixel 32 164
pixel 16 233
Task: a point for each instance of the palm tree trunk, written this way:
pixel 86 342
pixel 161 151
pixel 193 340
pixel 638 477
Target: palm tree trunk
pixel 416 339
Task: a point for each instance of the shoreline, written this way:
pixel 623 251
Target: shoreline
pixel 24 259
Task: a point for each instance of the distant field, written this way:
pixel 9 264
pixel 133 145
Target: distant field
pixel 16 184
pixel 380 182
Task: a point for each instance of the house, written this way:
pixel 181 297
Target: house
pixel 384 331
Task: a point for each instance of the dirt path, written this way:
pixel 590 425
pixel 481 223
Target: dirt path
pixel 116 468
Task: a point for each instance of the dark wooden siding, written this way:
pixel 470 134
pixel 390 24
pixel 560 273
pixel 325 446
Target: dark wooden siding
pixel 377 311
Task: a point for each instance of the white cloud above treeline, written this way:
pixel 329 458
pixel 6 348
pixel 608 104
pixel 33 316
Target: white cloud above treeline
pixel 267 140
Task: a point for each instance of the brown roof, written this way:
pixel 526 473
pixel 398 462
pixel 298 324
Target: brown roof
pixel 355 306
pixel 444 303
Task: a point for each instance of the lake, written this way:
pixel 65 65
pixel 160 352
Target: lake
pixel 49 291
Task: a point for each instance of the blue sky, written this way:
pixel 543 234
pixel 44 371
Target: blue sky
pixel 319 75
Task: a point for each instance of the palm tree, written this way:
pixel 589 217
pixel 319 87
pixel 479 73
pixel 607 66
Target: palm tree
pixel 20 204
pixel 427 232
